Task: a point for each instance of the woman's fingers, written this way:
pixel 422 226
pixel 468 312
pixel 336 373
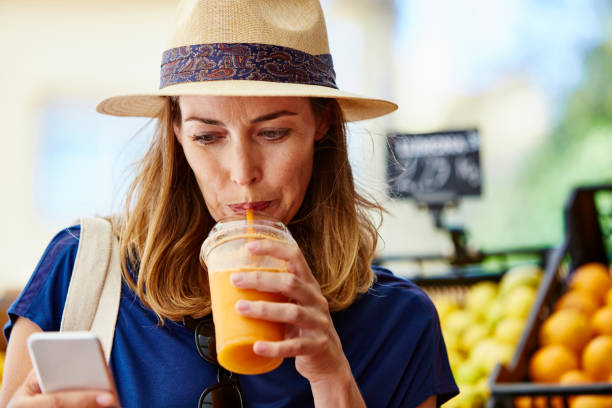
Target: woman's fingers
pixel 65 399
pixel 289 313
pixel 299 346
pixel 289 253
pixel 286 284
pixel 30 386
pixel 28 395
pixel 310 336
pixel 69 399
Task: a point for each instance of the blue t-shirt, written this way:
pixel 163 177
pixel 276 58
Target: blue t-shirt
pixel 390 335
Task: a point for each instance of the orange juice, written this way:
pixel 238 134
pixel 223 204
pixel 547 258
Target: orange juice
pixel 224 253
pixel 236 334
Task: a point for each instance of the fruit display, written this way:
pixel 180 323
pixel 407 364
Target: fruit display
pixel 483 327
pixel 1 365
pixel 575 340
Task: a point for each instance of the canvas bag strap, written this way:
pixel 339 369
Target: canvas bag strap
pixel 92 302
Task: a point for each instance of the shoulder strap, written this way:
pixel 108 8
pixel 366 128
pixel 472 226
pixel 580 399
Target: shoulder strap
pixel 92 302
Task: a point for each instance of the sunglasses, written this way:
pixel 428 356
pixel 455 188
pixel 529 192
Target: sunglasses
pixel 226 393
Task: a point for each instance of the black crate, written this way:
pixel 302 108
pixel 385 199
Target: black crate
pixel 457 286
pixel 456 280
pixel 586 234
pixel 484 266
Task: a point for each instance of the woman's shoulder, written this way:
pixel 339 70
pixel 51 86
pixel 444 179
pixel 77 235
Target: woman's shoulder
pixel 60 253
pixel 42 298
pixel 394 328
pixel 65 239
pixel 393 290
pixel 391 299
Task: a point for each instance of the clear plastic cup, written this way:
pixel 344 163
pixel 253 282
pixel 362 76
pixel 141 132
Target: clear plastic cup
pixel 224 253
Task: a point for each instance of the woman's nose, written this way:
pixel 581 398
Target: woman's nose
pixel 244 166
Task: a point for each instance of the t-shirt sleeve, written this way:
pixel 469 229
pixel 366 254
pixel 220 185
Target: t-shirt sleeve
pixel 429 371
pixel 42 299
pixel 393 340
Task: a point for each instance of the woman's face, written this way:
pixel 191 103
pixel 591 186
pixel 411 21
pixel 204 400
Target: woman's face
pixel 249 151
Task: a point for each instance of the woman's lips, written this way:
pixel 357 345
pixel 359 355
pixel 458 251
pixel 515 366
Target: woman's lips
pixel 255 205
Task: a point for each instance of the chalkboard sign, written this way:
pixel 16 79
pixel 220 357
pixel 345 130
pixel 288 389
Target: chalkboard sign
pixel 434 167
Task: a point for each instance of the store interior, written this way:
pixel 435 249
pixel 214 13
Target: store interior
pixel 495 171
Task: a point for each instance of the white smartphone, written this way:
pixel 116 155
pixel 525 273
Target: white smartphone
pixel 69 361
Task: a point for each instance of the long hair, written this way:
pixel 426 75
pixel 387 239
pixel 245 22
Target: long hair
pixel 165 221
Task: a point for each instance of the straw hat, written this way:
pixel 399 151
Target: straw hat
pixel 247 48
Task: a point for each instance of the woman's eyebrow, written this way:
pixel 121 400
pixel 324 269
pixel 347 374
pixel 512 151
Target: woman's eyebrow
pixel 273 115
pixel 263 118
pixel 205 120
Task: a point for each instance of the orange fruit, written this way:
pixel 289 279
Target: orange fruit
pixel 591 401
pixel 579 300
pixel 568 327
pixel 608 299
pixel 549 363
pixel 523 401
pixel 597 358
pixel 601 322
pixel 575 377
pixel 594 278
pixel 541 402
pixel 526 401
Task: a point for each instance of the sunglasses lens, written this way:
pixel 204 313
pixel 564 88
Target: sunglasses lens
pixel 205 341
pixel 227 392
pixel 220 396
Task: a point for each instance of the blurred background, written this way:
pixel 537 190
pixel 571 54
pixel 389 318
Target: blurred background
pixel 533 76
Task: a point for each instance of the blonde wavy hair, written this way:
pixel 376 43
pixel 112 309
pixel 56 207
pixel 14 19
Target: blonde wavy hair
pixel 165 221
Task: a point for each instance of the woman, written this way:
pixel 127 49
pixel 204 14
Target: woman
pixel 247 118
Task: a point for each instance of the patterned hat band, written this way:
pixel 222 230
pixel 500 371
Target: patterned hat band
pixel 245 61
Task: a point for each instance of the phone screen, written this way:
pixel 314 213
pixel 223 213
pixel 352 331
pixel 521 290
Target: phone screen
pixel 69 361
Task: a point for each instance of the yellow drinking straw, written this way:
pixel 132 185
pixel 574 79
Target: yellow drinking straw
pixel 250 231
pixel 249 217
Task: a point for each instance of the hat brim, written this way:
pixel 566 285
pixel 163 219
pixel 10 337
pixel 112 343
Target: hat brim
pixel 354 107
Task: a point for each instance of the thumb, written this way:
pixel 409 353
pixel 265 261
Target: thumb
pixel 30 385
pixel 80 398
pixel 29 395
pixel 67 399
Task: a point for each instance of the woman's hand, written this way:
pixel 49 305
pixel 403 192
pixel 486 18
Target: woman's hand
pixel 310 335
pixel 29 395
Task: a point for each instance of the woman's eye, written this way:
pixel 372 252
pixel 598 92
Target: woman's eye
pixel 274 134
pixel 205 138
